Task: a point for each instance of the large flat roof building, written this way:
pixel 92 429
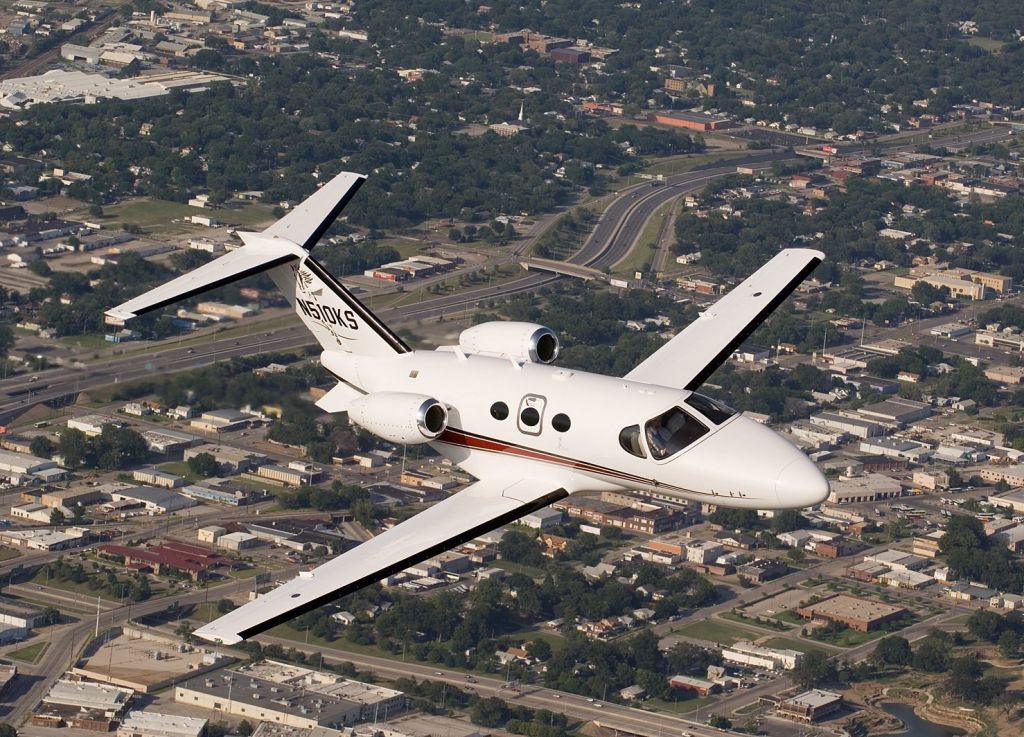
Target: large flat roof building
pixel 871 487
pixel 810 706
pixel 864 615
pixel 152 724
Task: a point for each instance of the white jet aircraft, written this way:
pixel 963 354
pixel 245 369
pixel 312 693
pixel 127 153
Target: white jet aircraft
pixel 532 433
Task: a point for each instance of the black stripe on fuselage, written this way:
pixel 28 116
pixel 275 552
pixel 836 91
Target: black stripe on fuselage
pixel 400 565
pixel 742 335
pixel 397 344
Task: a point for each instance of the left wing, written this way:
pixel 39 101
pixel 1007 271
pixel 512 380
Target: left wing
pixel 479 508
pixel 691 357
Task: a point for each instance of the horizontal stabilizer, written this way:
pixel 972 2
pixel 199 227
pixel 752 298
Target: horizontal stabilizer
pixel 339 398
pixel 253 258
pixel 310 220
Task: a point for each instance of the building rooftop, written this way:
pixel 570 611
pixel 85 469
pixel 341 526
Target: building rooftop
pixel 813 699
pixel 152 724
pixel 852 607
pixel 87 695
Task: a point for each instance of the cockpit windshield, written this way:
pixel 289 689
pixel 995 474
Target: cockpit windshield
pixel 714 410
pixel 669 433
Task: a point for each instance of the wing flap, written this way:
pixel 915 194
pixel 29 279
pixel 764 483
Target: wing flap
pixel 479 508
pixel 693 355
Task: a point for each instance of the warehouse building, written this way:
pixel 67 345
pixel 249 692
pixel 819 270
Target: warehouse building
pixel 857 426
pixel 869 488
pixel 231 460
pixel 21 468
pixel 156 477
pixel 152 724
pixel 755 656
pixel 897 411
pixel 152 499
pixel 82 704
pixel 860 614
pixel 237 541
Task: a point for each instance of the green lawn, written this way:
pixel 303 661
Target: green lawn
pixel 554 639
pixel 161 213
pixel 789 616
pixel 984 42
pixel 749 622
pixel 88 596
pixel 786 643
pixel 87 342
pixel 29 654
pixel 179 468
pixel 8 553
pixel 680 165
pixel 716 631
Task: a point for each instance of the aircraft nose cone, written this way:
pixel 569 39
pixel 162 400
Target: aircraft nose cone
pixel 800 484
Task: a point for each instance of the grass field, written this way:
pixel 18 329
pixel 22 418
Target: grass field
pixel 716 631
pixel 30 654
pixel 680 165
pixel 162 213
pixel 9 554
pixel 786 643
pixel 984 42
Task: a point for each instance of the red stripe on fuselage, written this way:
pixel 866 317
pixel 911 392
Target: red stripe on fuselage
pixel 479 442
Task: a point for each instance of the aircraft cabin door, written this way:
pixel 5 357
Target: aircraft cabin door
pixel 531 414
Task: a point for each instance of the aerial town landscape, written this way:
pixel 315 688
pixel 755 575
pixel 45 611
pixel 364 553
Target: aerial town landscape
pixel 610 170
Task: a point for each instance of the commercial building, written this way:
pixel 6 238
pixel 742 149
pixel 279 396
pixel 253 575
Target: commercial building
pixel 152 499
pixel 763 569
pixel 896 411
pixel 543 518
pixel 857 426
pixel 860 614
pixel 755 656
pixel 223 491
pixel 49 540
pixel 20 468
pixel 911 450
pixel 699 686
pixel 927 545
pixel 189 559
pixel 292 696
pixel 210 534
pixel 156 477
pixel 295 473
pixel 691 120
pixel 810 706
pixel 703 551
pixel 1013 475
pixel 92 425
pixel 231 460
pixel 152 724
pixel 223 420
pixel 641 517
pixel 868 488
pixel 237 541
pixel 898 560
pixel 83 705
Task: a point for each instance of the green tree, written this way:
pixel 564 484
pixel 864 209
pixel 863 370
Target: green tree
pixel 539 649
pixel 56 517
pixel 204 464
pixel 6 730
pixel 815 669
pixel 75 447
pixel 892 650
pixel 489 712
pixel 41 446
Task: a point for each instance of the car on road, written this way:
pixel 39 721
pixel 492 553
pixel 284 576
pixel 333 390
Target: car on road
pixel 438 673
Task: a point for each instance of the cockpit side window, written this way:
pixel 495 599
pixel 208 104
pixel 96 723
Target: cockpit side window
pixel 629 439
pixel 669 433
pixel 714 410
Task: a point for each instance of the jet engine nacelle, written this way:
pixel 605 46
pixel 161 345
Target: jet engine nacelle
pixel 520 341
pixel 400 417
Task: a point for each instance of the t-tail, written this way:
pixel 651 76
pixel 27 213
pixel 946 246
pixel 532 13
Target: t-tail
pixel 331 312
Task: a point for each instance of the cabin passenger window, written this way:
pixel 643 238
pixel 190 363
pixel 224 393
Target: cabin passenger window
pixel 629 439
pixel 499 410
pixel 669 433
pixel 561 422
pixel 714 410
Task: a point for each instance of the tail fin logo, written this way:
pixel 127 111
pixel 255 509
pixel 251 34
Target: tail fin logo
pixel 305 278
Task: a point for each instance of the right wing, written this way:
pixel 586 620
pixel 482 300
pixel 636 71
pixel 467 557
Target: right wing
pixel 686 361
pixel 479 508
